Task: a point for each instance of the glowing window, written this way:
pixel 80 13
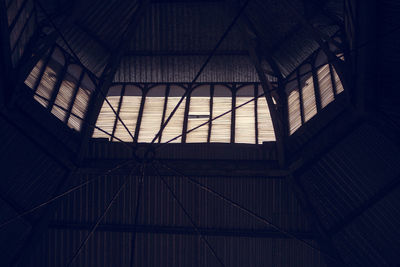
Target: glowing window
pixel 128 113
pixel 221 127
pixel 245 118
pixel 152 114
pixel 106 118
pixel 264 121
pixel 199 113
pixel 175 125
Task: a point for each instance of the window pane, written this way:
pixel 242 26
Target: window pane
pixel 34 75
pixel 199 113
pixel 338 83
pixel 265 127
pixel 106 118
pixel 66 91
pixel 293 104
pixel 129 112
pixel 49 77
pixel 308 93
pixel 221 127
pixel 81 103
pixel 245 118
pixel 152 114
pixel 325 85
pixel 175 125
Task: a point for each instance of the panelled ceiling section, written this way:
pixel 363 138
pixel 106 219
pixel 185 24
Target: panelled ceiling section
pixel 173 38
pixel 283 36
pixel 167 43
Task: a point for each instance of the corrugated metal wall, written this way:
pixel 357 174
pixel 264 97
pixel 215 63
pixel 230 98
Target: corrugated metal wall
pixel 271 198
pixel 343 181
pixel 29 179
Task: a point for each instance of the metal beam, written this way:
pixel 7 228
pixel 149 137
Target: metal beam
pixel 108 74
pixel 5 56
pixel 196 167
pixel 319 38
pixel 149 53
pixel 181 230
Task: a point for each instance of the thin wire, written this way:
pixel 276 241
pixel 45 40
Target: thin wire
pixel 188 216
pixel 69 191
pixel 201 69
pixel 83 244
pixel 248 211
pixel 83 66
pixel 286 81
pixel 90 125
pixel 209 121
pixel 139 194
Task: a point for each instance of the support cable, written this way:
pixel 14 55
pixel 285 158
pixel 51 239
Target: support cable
pixel 210 120
pixel 83 244
pixel 196 228
pixel 247 211
pixel 69 191
pixel 202 68
pixel 88 124
pixel 286 81
pixel 139 194
pixel 83 66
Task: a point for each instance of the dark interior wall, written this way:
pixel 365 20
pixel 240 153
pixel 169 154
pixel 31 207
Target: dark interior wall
pixel 29 177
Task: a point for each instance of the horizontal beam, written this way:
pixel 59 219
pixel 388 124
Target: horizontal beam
pixel 195 167
pixel 179 230
pixel 148 53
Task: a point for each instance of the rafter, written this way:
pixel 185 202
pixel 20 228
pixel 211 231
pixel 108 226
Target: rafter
pixel 108 74
pixel 180 230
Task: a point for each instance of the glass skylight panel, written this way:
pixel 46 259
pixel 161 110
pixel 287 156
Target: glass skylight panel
pixel 293 104
pixel 221 127
pixel 66 92
pixel 325 85
pixel 199 113
pixel 245 116
pixel 152 114
pixel 338 83
pixel 106 118
pixel 308 93
pixel 49 78
pixel 175 125
pixel 33 77
pixel 129 112
pixel 264 121
pixel 81 103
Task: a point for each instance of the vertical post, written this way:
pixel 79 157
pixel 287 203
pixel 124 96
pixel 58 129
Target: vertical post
pixel 267 88
pixel 300 96
pixel 167 89
pixel 57 85
pixel 43 69
pixel 76 89
pixel 332 80
pixel 211 112
pixel 233 114
pixel 121 97
pixel 316 87
pixel 140 115
pixel 186 116
pixel 255 111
